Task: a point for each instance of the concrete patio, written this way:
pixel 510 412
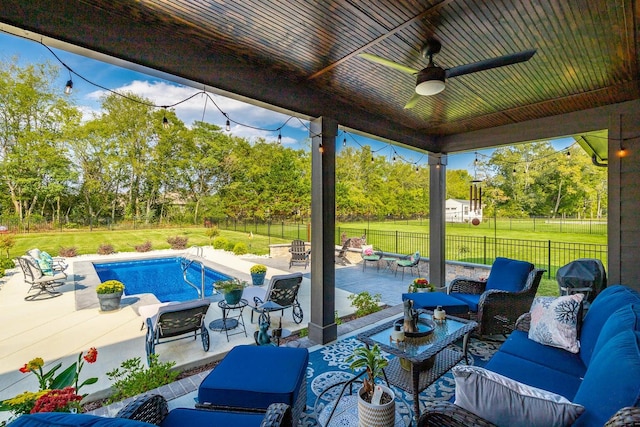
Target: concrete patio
pixel 58 330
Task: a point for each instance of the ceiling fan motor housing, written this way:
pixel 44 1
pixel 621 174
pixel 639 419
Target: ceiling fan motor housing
pixel 430 81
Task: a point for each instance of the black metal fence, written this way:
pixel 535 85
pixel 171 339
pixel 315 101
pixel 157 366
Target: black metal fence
pixel 482 250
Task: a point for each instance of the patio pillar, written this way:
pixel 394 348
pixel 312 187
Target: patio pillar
pixel 437 194
pixel 322 327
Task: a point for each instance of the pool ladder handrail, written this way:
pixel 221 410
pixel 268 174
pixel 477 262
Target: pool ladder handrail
pixel 189 259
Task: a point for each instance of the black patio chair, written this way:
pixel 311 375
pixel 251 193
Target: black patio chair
pixel 39 281
pixel 174 320
pixel 281 294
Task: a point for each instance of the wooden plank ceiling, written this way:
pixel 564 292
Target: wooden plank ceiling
pixel 302 55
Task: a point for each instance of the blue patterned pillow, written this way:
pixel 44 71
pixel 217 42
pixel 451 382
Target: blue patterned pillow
pixel 554 321
pixel 45 262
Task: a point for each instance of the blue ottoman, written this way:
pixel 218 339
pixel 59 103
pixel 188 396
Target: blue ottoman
pixel 430 300
pixel 257 376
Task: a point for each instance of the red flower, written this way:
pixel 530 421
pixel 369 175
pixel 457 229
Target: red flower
pixel 92 355
pixel 25 369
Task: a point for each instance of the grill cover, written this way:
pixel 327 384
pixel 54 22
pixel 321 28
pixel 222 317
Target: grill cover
pixel 582 273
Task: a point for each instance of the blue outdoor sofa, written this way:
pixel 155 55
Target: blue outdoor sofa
pixel 603 376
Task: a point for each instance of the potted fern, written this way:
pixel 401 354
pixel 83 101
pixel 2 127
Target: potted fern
pixel 258 273
pixel 376 402
pixel 231 289
pixel 109 294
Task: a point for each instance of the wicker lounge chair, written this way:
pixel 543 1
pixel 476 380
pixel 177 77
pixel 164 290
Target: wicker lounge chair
pixel 299 253
pixel 174 320
pixel 281 294
pixel 497 303
pixel 153 409
pixel 39 281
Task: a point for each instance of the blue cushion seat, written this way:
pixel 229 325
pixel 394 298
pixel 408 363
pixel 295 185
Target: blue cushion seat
pixel 181 417
pixel 471 300
pixel 508 274
pixel 431 300
pixel 64 419
pixel 255 377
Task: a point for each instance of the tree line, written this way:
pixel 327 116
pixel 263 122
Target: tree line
pixel 123 164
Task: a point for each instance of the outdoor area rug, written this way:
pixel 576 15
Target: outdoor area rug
pixel 327 367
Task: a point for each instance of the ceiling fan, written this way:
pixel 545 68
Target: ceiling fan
pixel 430 80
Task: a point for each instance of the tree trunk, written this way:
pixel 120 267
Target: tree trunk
pixel 558 198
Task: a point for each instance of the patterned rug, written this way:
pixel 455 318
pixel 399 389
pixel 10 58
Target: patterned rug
pixel 327 367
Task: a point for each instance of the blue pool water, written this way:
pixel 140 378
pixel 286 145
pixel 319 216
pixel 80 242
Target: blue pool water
pixel 161 277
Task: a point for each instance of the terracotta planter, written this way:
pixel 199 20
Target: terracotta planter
pixel 377 415
pixel 110 302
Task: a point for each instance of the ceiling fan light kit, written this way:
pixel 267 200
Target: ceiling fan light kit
pixel 430 81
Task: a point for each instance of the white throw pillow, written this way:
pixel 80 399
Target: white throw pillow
pixel 554 321
pixel 506 402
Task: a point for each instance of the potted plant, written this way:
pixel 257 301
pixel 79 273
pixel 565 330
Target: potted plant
pixel 381 412
pixel 231 289
pixel 421 284
pixel 258 272
pixel 109 294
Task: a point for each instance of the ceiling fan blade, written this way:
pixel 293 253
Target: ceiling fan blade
pixel 413 101
pixel 488 64
pixel 387 63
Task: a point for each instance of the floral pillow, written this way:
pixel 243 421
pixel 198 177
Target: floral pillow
pixel 554 321
pixel 367 250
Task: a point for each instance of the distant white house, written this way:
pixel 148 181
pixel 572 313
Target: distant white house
pixel 457 210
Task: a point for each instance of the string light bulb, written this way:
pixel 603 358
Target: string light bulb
pixel 165 122
pixel 568 154
pixel 371 159
pixel 320 148
pixel 227 126
pixel 69 87
pixel 622 152
pixel 344 142
pixel 279 137
pixel 417 168
pixel 514 171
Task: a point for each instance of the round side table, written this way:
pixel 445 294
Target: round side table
pixel 228 321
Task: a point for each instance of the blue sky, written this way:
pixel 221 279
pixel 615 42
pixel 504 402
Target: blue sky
pixel 162 92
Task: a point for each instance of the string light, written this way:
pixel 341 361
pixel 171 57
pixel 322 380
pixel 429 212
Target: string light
pixel 165 122
pixel 344 142
pixel 227 126
pixel 279 138
pixel 69 87
pixel 622 152
pixel 320 148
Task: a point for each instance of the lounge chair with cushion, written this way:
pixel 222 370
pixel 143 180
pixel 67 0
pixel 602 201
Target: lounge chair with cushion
pixel 498 302
pixel 174 321
pixel 281 294
pixel 48 264
pixel 299 253
pixel 410 262
pixel 150 410
pixel 39 281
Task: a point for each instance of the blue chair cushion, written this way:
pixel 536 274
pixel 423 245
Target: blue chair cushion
pixel 255 377
pixel 181 417
pixel 612 380
pixel 534 374
pixel 607 302
pixel 471 300
pixel 508 274
pixel 63 419
pixel 518 344
pixel 624 319
pixel 431 300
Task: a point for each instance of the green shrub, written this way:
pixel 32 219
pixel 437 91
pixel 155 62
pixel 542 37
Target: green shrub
pixel 240 248
pixel 2 272
pixel 7 241
pixel 303 332
pixel 7 263
pixel 338 320
pixel 178 242
pixel 68 252
pixel 132 378
pixel 365 303
pixel 212 232
pixel 229 246
pixel 106 249
pixel 220 242
pixel 145 247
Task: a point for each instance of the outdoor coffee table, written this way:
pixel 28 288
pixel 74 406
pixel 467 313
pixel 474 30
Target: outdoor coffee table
pixel 426 359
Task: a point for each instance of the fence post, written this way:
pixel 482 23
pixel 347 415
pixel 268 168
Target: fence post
pixel 549 251
pixel 484 249
pixel 282 229
pixel 397 242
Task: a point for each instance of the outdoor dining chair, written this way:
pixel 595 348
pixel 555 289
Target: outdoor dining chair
pixel 369 255
pixel 281 294
pixel 408 261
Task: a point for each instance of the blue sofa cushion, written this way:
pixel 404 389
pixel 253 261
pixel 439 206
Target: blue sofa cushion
pixel 626 318
pixel 607 302
pixel 534 374
pixel 612 380
pixel 431 300
pixel 63 419
pixel 518 344
pixel 255 377
pixel 182 417
pixel 508 274
pixel 471 300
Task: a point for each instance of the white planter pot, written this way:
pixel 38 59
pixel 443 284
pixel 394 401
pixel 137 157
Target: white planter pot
pixel 377 415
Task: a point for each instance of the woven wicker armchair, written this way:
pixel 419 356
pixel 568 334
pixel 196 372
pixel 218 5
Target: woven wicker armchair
pixel 153 409
pixel 498 310
pixel 447 414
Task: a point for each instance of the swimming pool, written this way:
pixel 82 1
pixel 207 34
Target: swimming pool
pixel 161 277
